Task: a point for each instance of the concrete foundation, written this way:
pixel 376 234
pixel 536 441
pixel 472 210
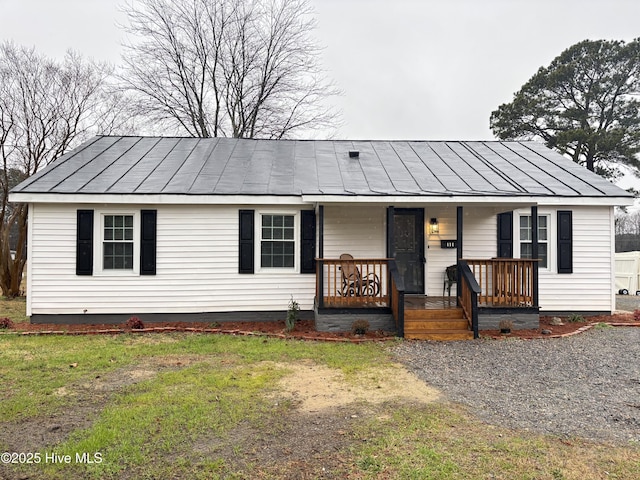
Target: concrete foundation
pixel 341 321
pixel 210 317
pixel 523 319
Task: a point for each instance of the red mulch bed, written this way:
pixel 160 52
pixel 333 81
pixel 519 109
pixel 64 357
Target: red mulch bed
pixel 305 329
pixel 568 328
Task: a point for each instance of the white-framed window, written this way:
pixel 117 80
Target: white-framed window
pixel 279 243
pixel 118 249
pixel 117 242
pixel 526 246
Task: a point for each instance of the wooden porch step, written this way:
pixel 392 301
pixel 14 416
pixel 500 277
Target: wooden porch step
pixel 431 314
pixel 436 324
pixel 440 335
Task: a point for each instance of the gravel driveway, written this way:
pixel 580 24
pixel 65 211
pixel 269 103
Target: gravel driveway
pixel 627 303
pixel 587 385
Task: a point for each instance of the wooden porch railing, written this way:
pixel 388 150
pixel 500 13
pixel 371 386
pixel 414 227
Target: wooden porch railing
pixel 468 296
pixel 505 282
pixel 355 283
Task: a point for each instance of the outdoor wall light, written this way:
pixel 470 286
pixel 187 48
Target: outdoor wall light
pixel 434 228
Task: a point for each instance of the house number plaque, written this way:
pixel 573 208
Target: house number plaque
pixel 448 243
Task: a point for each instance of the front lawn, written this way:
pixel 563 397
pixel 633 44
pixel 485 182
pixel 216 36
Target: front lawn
pixel 213 406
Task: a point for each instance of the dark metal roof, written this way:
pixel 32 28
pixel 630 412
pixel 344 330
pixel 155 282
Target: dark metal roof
pixel 224 166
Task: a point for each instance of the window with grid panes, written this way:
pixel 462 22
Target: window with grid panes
pixel 117 245
pixel 526 247
pixel 277 247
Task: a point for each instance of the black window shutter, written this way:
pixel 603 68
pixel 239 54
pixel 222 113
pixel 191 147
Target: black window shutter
pixel 308 242
pixel 505 235
pixel 245 260
pixel 148 242
pixel 565 241
pixel 84 242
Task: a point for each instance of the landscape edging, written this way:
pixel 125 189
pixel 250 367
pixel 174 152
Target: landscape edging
pixel 113 331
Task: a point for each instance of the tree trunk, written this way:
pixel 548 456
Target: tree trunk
pixel 590 163
pixel 11 270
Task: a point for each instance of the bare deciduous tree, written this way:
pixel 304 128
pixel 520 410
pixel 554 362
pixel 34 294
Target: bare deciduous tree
pixel 627 228
pixel 627 223
pixel 241 68
pixel 45 108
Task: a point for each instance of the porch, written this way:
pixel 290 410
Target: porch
pixel 486 291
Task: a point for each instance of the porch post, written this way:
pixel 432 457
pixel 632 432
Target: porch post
pixel 320 231
pixel 534 251
pixel 320 263
pixel 390 230
pixel 399 308
pixel 459 225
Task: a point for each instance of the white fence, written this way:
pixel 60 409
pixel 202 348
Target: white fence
pixel 628 272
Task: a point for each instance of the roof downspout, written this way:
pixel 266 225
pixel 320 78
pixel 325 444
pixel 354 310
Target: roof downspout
pixel 320 262
pixel 534 252
pixel 459 251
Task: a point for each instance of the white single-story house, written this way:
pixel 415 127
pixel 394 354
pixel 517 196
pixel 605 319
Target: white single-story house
pixel 215 229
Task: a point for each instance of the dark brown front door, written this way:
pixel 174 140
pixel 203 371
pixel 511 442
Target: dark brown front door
pixel 408 247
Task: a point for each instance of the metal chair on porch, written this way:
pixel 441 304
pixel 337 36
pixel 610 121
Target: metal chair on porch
pixel 353 284
pixel 450 277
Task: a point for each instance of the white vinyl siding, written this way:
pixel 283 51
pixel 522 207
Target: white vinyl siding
pixel 479 241
pixel 197 259
pixel 589 288
pixel 197 268
pixel 359 230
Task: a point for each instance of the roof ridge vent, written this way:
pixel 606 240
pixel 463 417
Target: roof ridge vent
pixel 354 154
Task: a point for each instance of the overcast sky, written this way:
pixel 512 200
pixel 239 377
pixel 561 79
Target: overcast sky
pixel 408 69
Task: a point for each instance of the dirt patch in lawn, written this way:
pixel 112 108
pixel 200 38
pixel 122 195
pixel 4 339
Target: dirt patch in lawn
pixel 315 388
pixel 296 445
pixel 316 412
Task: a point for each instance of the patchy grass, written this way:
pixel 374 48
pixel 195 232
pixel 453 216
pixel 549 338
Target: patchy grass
pixel 14 308
pixel 208 406
pixel 34 368
pixel 159 419
pixel 602 326
pixel 440 441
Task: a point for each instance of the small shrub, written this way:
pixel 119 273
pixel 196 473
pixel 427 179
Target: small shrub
pixel 293 311
pixel 134 323
pixel 636 315
pixel 505 324
pixel 576 318
pixel 6 323
pixel 360 327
